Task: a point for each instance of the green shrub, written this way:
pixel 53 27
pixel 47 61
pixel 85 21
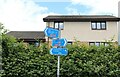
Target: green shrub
pixel 20 60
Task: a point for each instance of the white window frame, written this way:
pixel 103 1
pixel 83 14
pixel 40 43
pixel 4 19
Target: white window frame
pixel 98 25
pixel 59 25
pixel 98 43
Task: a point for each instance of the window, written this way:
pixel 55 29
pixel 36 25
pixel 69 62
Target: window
pixel 37 44
pixel 69 43
pixel 91 43
pixel 96 25
pixel 98 43
pixel 59 25
pixel 104 43
pixel 56 26
pixel 103 25
pixel 93 25
pixel 94 43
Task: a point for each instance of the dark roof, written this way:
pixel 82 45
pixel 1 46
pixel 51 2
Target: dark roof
pixel 79 18
pixel 27 34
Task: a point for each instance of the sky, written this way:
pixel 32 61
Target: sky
pixel 27 15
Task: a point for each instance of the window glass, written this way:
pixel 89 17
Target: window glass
pixel 61 26
pixel 91 43
pixel 97 43
pixel 106 44
pixel 93 25
pixel 37 44
pixel 56 25
pixel 69 43
pixel 98 25
pixel 103 25
pixel 102 43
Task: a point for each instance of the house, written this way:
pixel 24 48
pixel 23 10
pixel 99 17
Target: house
pixel 89 29
pixel 31 37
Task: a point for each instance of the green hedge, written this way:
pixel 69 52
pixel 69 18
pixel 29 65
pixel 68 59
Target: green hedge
pixel 20 60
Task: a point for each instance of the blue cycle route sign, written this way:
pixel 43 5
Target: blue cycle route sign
pixel 59 51
pixel 59 42
pixel 52 33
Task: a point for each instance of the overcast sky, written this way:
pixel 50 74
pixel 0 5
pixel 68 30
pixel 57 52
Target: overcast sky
pixel 27 15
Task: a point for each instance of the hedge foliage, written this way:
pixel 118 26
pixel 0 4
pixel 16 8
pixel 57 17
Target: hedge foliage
pixel 20 60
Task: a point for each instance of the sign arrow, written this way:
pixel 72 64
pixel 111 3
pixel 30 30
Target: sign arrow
pixel 59 42
pixel 58 51
pixel 52 33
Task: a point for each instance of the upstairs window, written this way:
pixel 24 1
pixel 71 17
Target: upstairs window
pixel 96 25
pixel 59 25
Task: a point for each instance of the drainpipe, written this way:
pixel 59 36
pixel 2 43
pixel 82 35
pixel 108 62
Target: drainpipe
pixel 119 23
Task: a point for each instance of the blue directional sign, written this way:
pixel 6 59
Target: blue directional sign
pixel 58 51
pixel 52 33
pixel 59 42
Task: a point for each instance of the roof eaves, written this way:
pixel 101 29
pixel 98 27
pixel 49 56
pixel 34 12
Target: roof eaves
pixel 76 18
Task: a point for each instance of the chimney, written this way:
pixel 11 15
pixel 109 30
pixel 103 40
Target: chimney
pixel 119 23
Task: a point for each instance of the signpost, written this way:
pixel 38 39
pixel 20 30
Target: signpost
pixel 56 42
pixel 59 42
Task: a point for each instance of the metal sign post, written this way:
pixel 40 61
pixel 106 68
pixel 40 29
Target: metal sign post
pixel 58 66
pixel 58 44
